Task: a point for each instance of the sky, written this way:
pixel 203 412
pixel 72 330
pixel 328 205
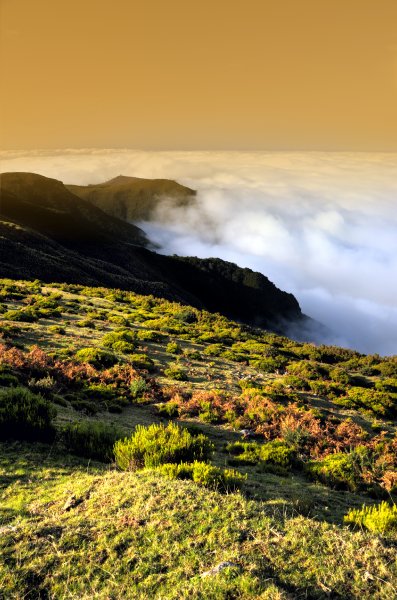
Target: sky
pixel 321 225
pixel 230 74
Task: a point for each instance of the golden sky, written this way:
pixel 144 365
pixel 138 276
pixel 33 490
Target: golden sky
pixel 199 74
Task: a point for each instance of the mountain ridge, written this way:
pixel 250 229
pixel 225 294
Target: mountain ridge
pixel 49 233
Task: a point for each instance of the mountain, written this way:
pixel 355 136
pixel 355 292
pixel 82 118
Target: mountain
pixel 47 206
pixel 49 233
pixel 133 198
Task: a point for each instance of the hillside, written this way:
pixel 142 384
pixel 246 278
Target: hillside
pixel 133 198
pixel 51 234
pixel 299 437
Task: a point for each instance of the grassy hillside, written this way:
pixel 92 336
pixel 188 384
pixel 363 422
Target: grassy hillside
pixel 49 233
pixel 299 437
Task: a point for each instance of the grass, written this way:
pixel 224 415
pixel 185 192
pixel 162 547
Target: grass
pixel 148 534
pixel 133 535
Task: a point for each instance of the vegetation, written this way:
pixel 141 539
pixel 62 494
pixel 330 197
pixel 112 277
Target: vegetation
pixel 156 445
pixel 25 416
pixel 222 443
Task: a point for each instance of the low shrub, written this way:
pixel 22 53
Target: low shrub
pixel 138 387
pixel 44 385
pixel 91 439
pixel 100 391
pixel 142 361
pixel 173 348
pixel 176 371
pixel 244 453
pixel 223 480
pixel 169 410
pixel 119 341
pixel 84 406
pixel 277 453
pixel 25 415
pixel 380 518
pixel 96 357
pixel 57 329
pixel 8 380
pixel 213 350
pixel 158 444
pixel 340 470
pixel 145 335
pixel 275 456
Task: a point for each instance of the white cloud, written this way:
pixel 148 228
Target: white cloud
pixel 320 225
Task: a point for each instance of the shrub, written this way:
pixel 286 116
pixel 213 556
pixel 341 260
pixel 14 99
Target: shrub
pixel 101 391
pixel 123 347
pixel 84 406
pixel 142 361
pixel 213 350
pixel 340 470
pixel 380 403
pixel 155 445
pixel 169 410
pixel 380 518
pixel 44 385
pixel 25 416
pixel 176 371
pixel 138 387
pixel 277 453
pixel 173 348
pixel 57 329
pixel 96 357
pixel 91 439
pixel 145 335
pixel 202 473
pixel 8 380
pixel 244 453
pixel 117 340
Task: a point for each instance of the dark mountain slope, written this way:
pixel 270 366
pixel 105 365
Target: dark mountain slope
pixel 46 232
pixel 46 205
pixel 133 198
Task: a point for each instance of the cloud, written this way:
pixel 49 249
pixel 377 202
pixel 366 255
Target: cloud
pixel 320 225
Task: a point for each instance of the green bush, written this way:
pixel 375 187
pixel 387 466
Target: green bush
pixel 138 387
pixel 101 391
pixel 57 329
pixel 155 445
pixel 379 403
pixel 123 347
pixel 275 456
pixel 173 348
pixel 142 361
pixel 244 453
pixel 176 371
pixel 119 341
pixel 25 415
pixel 8 380
pixel 213 350
pixel 145 335
pixel 380 518
pixel 223 480
pixel 91 439
pixel 96 357
pixel 169 410
pixel 277 453
pixel 340 470
pixel 25 315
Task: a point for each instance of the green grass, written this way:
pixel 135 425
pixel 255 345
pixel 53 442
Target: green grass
pixel 152 533
pixel 133 536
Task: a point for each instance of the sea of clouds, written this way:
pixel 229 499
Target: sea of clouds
pixel 320 225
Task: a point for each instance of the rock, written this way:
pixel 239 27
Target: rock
pixel 223 565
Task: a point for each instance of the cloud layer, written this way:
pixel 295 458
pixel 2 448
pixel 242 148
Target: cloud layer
pixel 320 225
